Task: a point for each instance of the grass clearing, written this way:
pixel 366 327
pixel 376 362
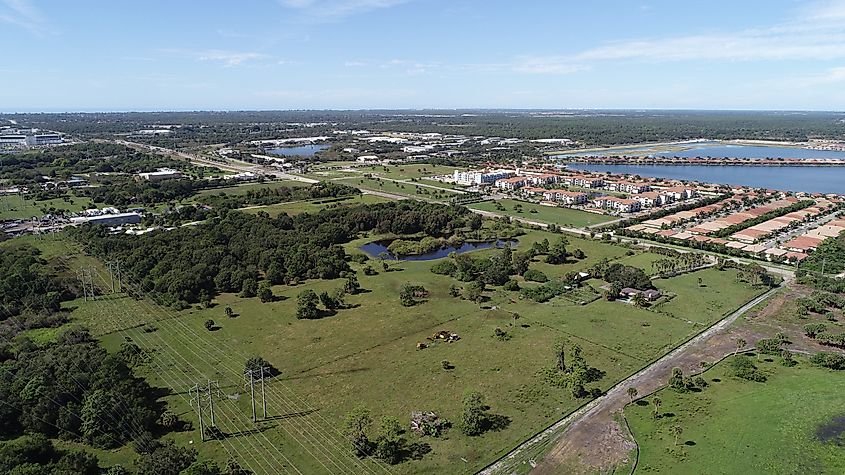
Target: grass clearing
pixel 244 188
pixel 370 351
pixel 566 217
pixel 312 206
pixel 706 301
pixel 738 426
pixel 18 207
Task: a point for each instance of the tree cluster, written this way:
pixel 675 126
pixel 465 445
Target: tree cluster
pixel 191 264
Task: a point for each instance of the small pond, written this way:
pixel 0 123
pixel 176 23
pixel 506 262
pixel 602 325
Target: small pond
pixel 378 247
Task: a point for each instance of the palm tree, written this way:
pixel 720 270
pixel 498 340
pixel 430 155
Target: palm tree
pixel 740 344
pixel 676 431
pixel 632 393
pixel 656 401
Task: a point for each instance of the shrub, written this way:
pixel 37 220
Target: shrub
pixel 742 367
pixel 444 267
pixel 511 285
pixel 534 275
pixel 829 360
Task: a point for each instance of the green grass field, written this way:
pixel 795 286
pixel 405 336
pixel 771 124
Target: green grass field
pixel 311 206
pixel 703 302
pixel 737 426
pixel 16 207
pixel 244 188
pixel 405 189
pixel 367 355
pixel 566 217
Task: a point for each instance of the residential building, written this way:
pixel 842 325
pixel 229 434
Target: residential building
pixel 511 183
pixel 565 196
pixel 479 177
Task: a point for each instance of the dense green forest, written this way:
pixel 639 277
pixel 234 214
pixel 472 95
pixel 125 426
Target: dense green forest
pixel 192 264
pixel 62 162
pixel 26 283
pixel 829 257
pixel 591 127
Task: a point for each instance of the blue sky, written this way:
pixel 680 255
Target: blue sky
pixel 322 54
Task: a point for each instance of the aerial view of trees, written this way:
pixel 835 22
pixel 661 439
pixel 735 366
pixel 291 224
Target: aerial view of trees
pixel 192 264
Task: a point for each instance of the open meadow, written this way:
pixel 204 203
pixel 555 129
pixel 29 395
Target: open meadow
pixel 18 207
pixel 367 354
pixel 566 217
pixel 739 426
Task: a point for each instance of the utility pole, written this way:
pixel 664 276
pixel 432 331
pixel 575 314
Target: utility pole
pixel 110 264
pixel 264 369
pixel 198 400
pixel 208 388
pixel 81 276
pixel 87 282
pixel 252 392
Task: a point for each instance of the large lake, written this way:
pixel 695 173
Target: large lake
pixel 376 248
pixel 712 149
pixel 807 179
pixel 298 151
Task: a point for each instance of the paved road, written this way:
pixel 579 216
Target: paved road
pixel 646 381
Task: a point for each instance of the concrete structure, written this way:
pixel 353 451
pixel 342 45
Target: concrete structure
pixel 108 219
pixel 160 174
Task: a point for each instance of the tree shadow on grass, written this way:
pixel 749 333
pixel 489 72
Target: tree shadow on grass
pixel 495 422
pixel 641 402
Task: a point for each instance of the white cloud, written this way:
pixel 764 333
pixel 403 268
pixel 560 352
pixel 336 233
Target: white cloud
pixel 335 9
pixel 23 14
pixel 818 33
pixel 228 58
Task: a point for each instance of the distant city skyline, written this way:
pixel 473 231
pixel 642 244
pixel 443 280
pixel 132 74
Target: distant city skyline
pixel 421 54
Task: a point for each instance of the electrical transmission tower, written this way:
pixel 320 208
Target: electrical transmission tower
pixel 87 281
pixel 252 375
pixel 114 272
pixel 202 395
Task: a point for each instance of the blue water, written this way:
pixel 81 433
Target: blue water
pixel 716 150
pixel 378 247
pixel 751 151
pixel 298 151
pixel 807 179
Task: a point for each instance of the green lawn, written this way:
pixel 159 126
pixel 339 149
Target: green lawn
pixel 704 302
pixel 643 260
pixel 405 189
pixel 737 426
pixel 566 217
pixel 16 207
pixel 244 188
pixel 311 206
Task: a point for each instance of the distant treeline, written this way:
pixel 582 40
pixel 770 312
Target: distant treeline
pixel 62 162
pixel 192 264
pixel 599 127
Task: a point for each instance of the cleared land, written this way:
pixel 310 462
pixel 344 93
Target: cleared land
pixel 311 206
pixel 738 426
pixel 16 207
pixel 244 188
pixel 566 217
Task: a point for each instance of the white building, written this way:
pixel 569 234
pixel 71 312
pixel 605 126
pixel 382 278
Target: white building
pixel 13 140
pixel 476 177
pixel 160 174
